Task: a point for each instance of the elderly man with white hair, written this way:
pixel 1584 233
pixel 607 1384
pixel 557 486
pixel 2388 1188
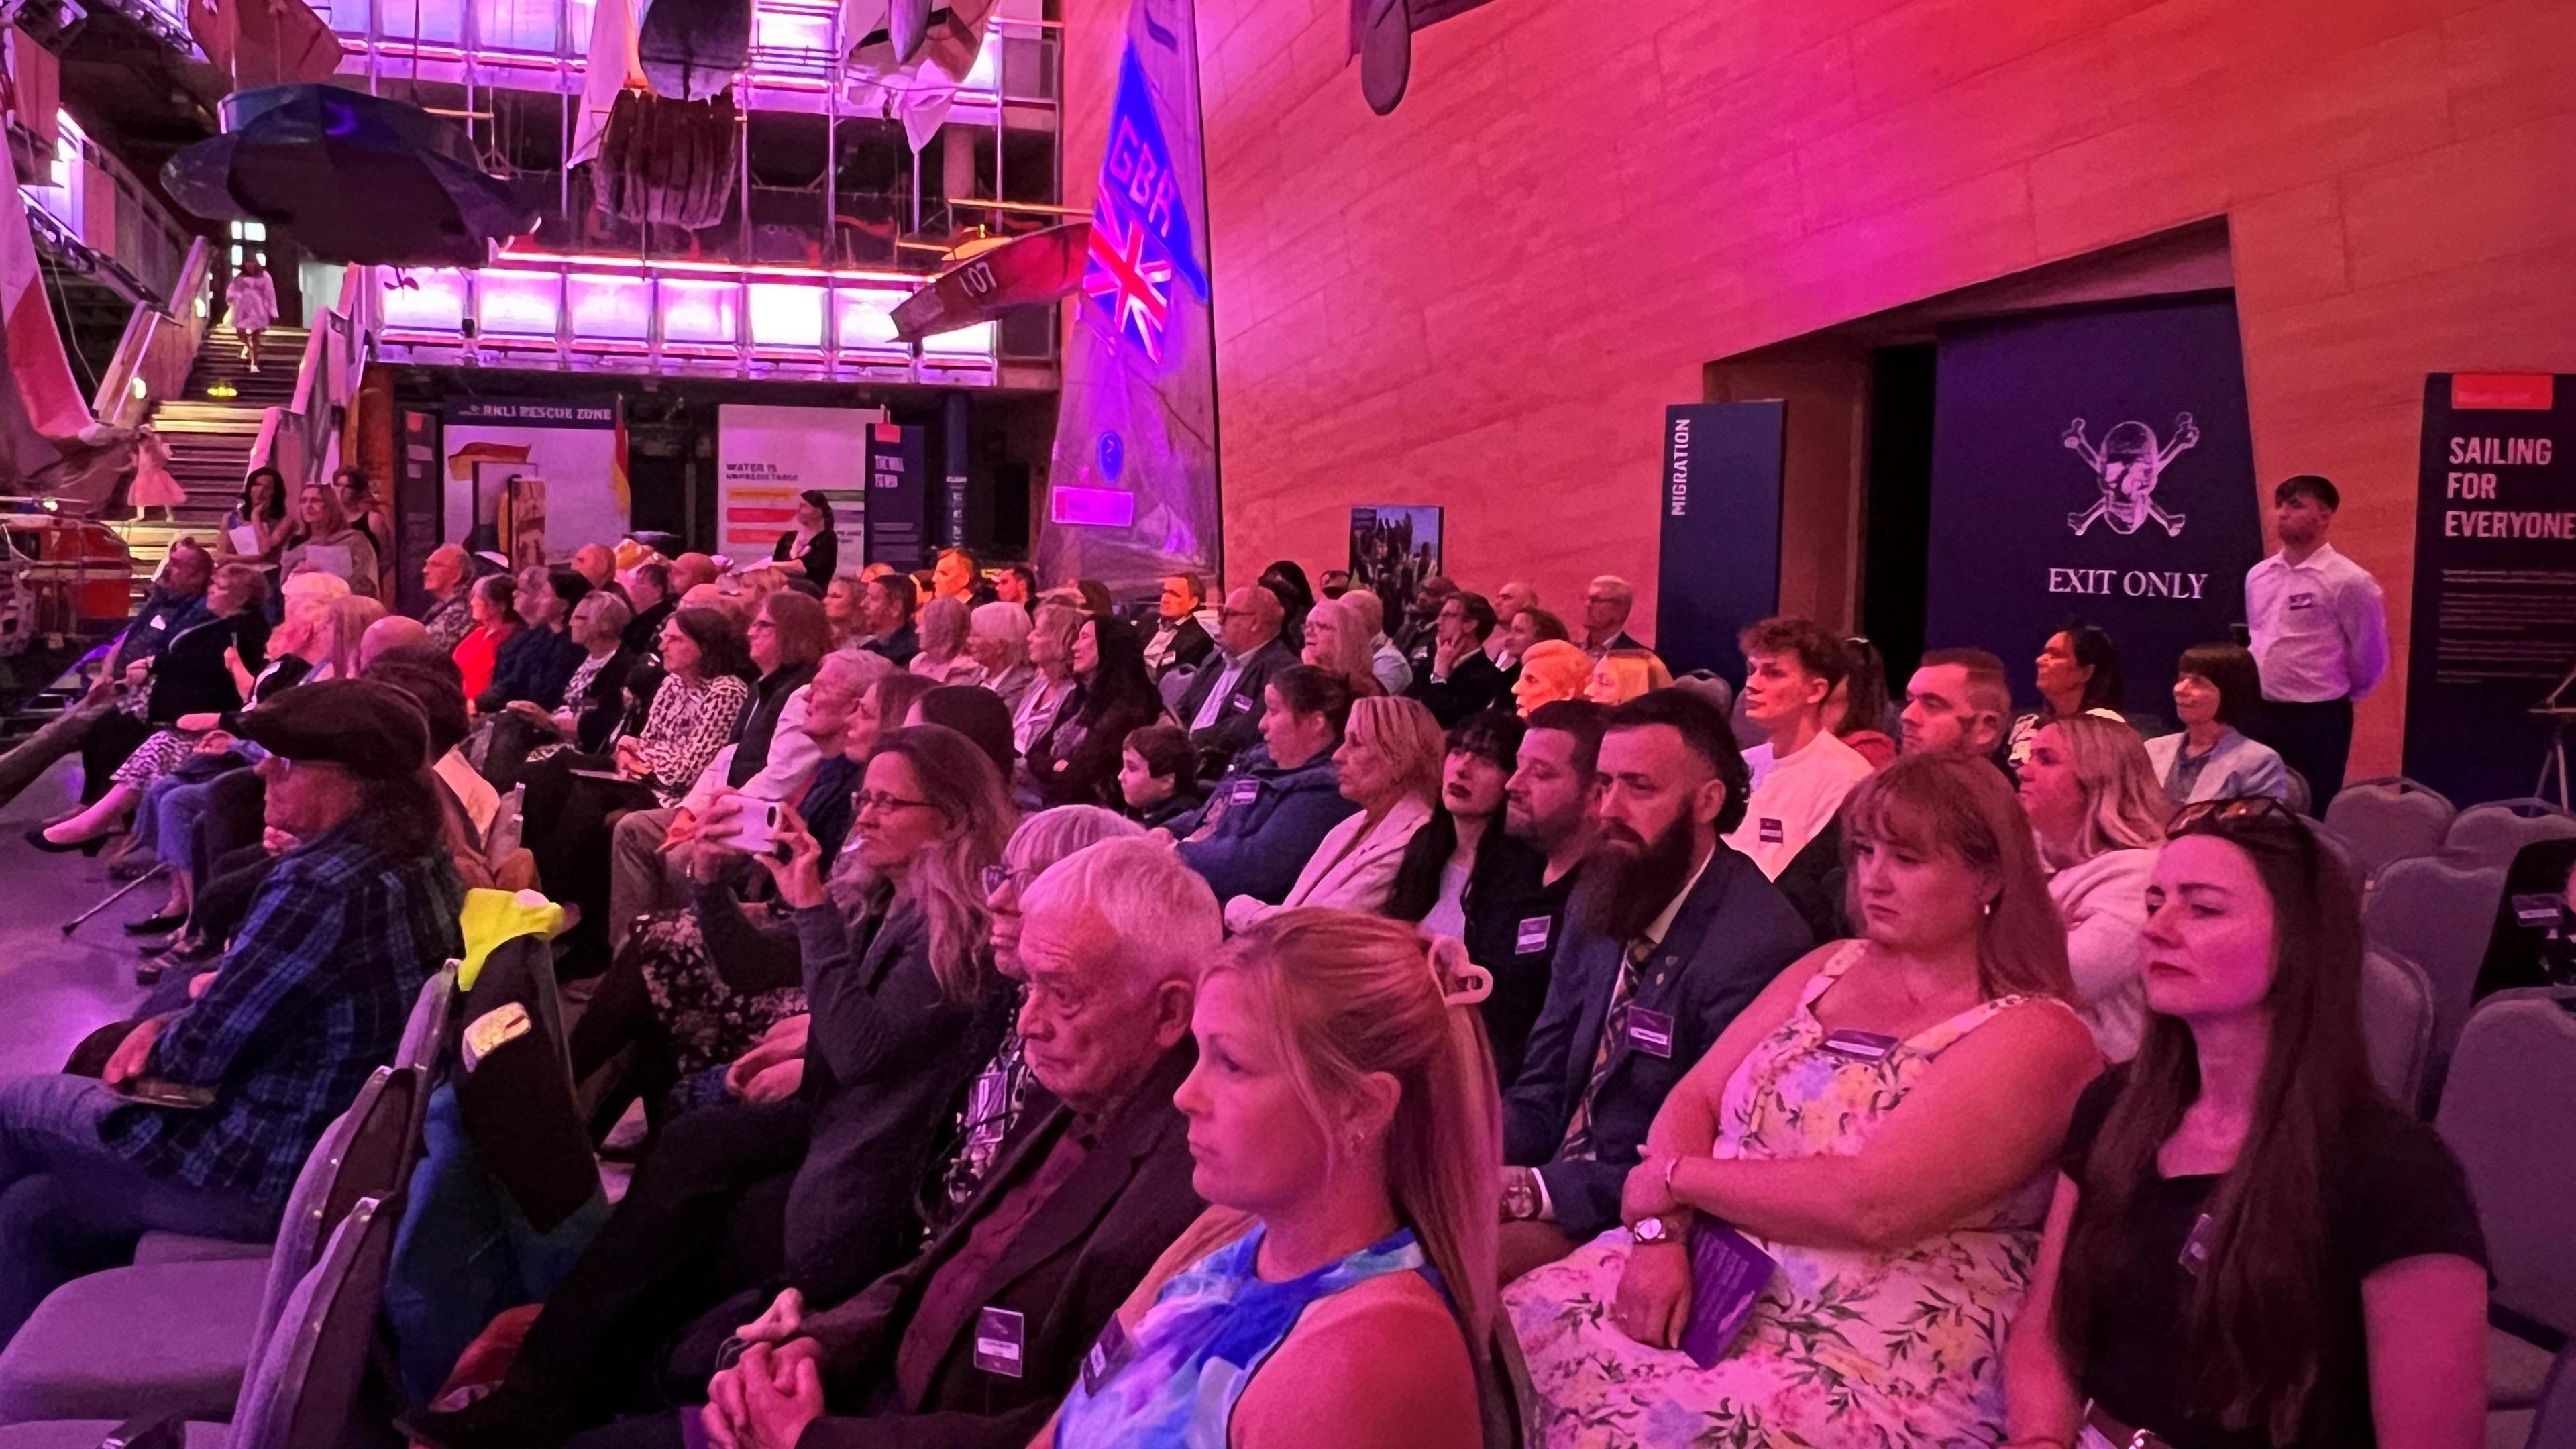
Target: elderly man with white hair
pixel 1607 602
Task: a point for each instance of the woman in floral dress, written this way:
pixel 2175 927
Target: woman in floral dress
pixel 1880 1122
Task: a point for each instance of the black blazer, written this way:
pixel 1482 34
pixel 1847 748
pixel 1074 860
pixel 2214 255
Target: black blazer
pixel 644 631
pixel 1515 922
pixel 1471 688
pixel 1074 1260
pixel 1733 934
pixel 190 677
pixel 1238 720
pixel 760 723
pixel 1076 763
pixel 821 559
pixel 596 724
pixel 1190 647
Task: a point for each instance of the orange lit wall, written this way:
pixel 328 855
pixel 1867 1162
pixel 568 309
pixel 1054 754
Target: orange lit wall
pixel 1485 301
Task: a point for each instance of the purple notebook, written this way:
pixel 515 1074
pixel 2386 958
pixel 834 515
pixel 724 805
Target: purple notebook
pixel 1728 1274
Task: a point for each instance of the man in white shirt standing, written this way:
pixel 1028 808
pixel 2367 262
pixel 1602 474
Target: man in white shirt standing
pixel 2320 630
pixel 1801 771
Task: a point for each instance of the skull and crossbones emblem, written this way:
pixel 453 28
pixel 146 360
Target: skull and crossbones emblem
pixel 2128 465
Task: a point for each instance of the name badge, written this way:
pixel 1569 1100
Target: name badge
pixel 1109 1353
pixel 1774 832
pixel 1239 703
pixel 1243 792
pixel 2195 1248
pixel 2303 601
pixel 1651 1032
pixel 2538 910
pixel 1533 934
pixel 999 1334
pixel 1861 1046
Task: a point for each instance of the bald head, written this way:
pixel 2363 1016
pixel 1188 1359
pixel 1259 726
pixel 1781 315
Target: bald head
pixel 446 570
pixel 692 569
pixel 1251 618
pixel 595 562
pixel 393 631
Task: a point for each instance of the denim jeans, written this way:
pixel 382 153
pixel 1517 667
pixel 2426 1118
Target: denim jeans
pixel 70 1205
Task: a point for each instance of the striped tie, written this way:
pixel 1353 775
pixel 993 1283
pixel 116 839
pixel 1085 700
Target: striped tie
pixel 1578 1144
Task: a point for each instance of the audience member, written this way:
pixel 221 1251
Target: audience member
pixel 1095 1186
pixel 312 997
pixel 1623 674
pixel 536 661
pixel 1451 675
pixel 814 544
pixel 1511 601
pixel 1052 687
pixel 1333 583
pixel 1368 615
pixel 177 600
pixel 1340 1290
pixel 365 509
pixel 444 575
pixel 2079 673
pixel 1801 771
pixel 973 711
pixel 691 570
pixel 1222 704
pixel 2320 631
pixel 597 565
pixel 1672 933
pixel 1389 763
pixel 2215 690
pixel 1551 672
pixel 1956 703
pixel 2249 1244
pixel 1856 712
pixel 943 626
pixel 1263 820
pixel 1335 645
pixel 1286 581
pixel 392 631
pixel 467 802
pixel 492 601
pixel 1016 584
pixel 1607 602
pixel 650 594
pixel 2099 819
pixel 845 606
pixel 1075 760
pixel 885 618
pixel 997 635
pixel 594 698
pixel 1530 626
pixel 1158 775
pixel 1877 1123
pixel 1095 598
pixel 1547 805
pixel 262 511
pixel 1413 635
pixel 956 574
pixel 1180 641
pixel 322 538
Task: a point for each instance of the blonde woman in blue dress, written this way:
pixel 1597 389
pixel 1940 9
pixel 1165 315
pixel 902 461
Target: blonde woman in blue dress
pixel 1339 1292
pixel 1881 1121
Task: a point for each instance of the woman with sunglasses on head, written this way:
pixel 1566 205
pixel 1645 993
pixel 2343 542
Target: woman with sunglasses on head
pixel 2251 1247
pixel 1340 1289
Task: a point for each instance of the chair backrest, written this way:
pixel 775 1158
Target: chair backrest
pixel 2397 1022
pixel 364 1153
pixel 302 1388
pixel 2553 1424
pixel 2300 796
pixel 2437 912
pixel 2493 833
pixel 426 1032
pixel 2504 1113
pixel 502 840
pixel 2389 820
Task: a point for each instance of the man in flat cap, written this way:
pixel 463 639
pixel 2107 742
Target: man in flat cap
pixel 309 1000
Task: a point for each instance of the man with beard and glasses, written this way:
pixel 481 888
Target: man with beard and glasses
pixel 1672 932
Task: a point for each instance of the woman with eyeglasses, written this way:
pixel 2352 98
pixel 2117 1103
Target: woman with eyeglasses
pixel 2250 1246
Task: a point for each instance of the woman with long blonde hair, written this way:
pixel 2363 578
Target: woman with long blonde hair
pixel 1340 1290
pixel 322 524
pixel 2099 816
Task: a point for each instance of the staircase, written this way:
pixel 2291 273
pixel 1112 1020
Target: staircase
pixel 210 439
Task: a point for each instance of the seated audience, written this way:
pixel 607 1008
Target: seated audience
pixel 997 635
pixel 943 628
pixel 1877 1123
pixel 597 565
pixel 650 595
pixel 446 575
pixel 817 1193
pixel 1510 602
pixel 262 510
pixel 972 711
pixel 1607 602
pixel 1413 636
pixel 1389 764
pixel 1956 703
pixel 1662 890
pixel 1801 771
pixel 1052 687
pixel 1017 585
pixel 813 546
pixel 1451 673
pixel 176 601
pixel 1221 706
pixel 2079 673
pixel 1530 626
pixel 1074 761
pixel 1158 775
pixel 492 602
pixel 535 662
pixel 1179 641
pixel 322 539
pixel 2099 819
pixel 2249 1244
pixel 594 697
pixel 1551 671
pixel 1547 806
pixel 1623 674
pixel 1856 712
pixel 1340 1289
pixel 1093 1186
pixel 2216 688
pixel 693 570
pixel 1285 579
pixel 845 607
pixel 311 998
pixel 885 618
pixel 1386 662
pixel 957 574
pixel 1266 816
pixel 1335 645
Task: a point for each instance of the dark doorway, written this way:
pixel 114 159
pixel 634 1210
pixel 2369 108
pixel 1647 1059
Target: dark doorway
pixel 1897 510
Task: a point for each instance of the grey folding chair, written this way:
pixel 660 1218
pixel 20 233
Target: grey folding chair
pixel 426 1031
pixel 302 1392
pixel 2494 832
pixel 2501 1114
pixel 185 1329
pixel 2437 912
pixel 2384 821
pixel 2397 1023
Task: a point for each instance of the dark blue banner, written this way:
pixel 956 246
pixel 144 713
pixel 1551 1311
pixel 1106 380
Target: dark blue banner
pixel 898 515
pixel 1719 566
pixel 2495 585
pixel 2093 465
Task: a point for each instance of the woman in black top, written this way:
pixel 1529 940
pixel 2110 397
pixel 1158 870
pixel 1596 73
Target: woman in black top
pixel 811 544
pixel 1075 760
pixel 2251 1246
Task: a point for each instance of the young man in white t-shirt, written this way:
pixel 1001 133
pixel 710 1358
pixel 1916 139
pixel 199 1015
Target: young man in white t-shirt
pixel 1801 771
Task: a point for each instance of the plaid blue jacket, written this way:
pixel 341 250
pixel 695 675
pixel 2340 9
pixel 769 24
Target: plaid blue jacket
pixel 309 1001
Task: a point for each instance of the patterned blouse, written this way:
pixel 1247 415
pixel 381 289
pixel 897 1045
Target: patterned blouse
pixel 689 722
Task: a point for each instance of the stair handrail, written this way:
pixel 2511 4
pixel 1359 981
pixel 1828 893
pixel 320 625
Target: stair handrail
pixel 296 439
pixel 158 347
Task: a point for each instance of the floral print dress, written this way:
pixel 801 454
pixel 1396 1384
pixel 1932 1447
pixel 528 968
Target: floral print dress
pixel 1847 1348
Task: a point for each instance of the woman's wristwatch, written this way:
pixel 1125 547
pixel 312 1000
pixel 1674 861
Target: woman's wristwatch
pixel 1649 1231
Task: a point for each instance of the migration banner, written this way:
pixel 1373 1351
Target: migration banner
pixel 1719 561
pixel 765 456
pixel 2495 582
pixel 2092 465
